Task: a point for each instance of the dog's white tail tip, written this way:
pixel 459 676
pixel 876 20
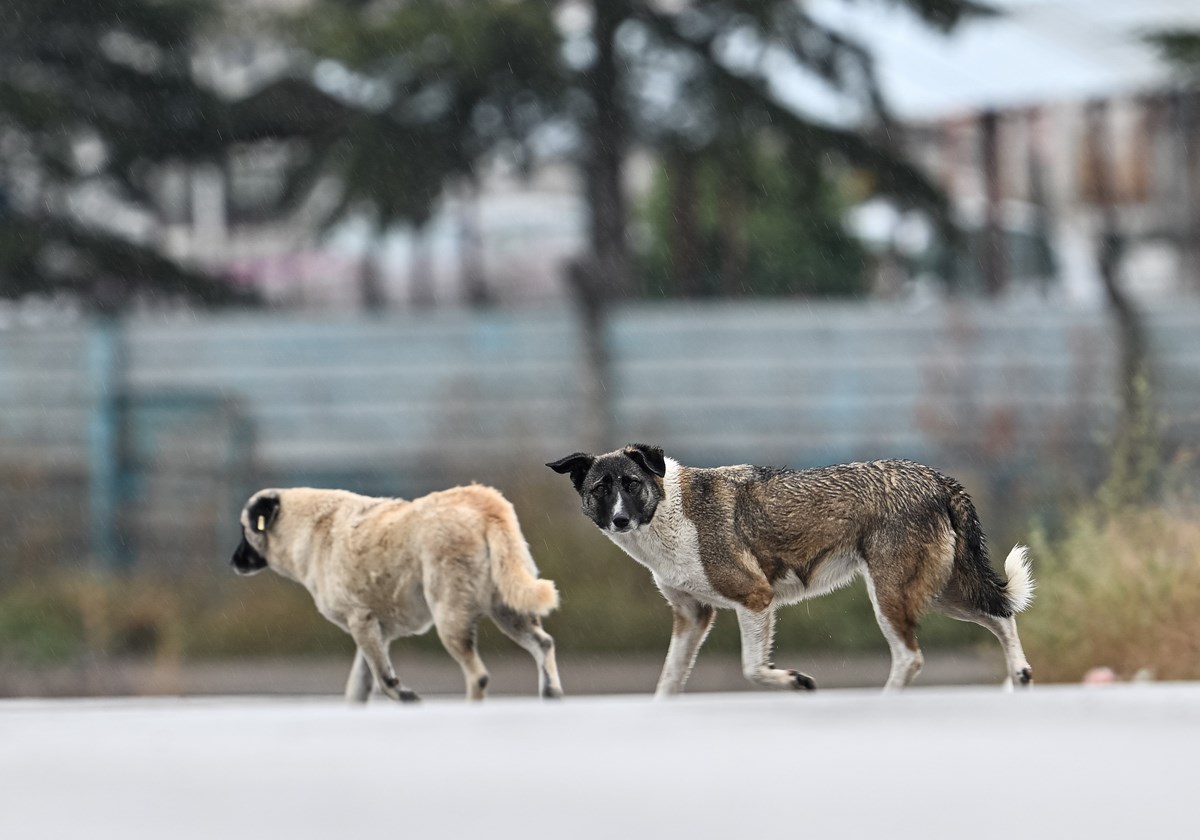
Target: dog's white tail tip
pixel 1020 586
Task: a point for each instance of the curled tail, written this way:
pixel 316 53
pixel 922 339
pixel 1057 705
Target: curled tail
pixel 977 580
pixel 513 570
pixel 1018 590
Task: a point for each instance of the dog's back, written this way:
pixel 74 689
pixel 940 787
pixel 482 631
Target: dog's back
pixel 906 521
pixel 455 517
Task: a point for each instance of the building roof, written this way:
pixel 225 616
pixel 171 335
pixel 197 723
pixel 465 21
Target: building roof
pixel 1036 52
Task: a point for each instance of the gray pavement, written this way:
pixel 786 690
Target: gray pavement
pixel 1069 762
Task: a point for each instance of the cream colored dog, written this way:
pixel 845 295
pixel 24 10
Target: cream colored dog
pixel 385 568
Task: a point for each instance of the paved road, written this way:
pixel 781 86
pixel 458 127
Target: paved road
pixel 1112 762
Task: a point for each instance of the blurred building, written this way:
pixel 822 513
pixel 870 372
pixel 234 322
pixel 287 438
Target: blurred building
pixel 997 112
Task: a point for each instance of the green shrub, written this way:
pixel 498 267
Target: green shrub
pixel 39 625
pixel 62 617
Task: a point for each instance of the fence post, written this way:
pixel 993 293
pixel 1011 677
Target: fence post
pixel 105 364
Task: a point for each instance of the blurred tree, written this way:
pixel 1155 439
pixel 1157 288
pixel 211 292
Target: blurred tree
pixel 457 81
pixel 726 115
pixel 786 220
pixel 1136 445
pixel 694 82
pixel 420 92
pixel 1135 449
pixel 96 98
pixel 1181 48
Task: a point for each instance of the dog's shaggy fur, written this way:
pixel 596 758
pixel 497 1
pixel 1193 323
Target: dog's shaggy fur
pixel 385 568
pixel 753 538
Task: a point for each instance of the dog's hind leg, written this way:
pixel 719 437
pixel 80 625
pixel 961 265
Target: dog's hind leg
pixel 368 635
pixel 526 630
pixel 692 623
pixel 458 631
pixel 1004 629
pixel 899 627
pixel 965 602
pixel 358 686
pixel 758 632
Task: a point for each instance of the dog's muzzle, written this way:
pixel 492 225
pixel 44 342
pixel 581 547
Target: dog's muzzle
pixel 246 559
pixel 622 525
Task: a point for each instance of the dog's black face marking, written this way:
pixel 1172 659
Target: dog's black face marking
pixel 247 560
pixel 620 490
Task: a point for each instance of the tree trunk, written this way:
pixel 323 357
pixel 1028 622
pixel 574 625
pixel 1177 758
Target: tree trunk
pixel 604 165
pixel 596 422
pixel 1189 126
pixel 1135 451
pixel 685 234
pixel 1039 193
pixel 420 274
pixel 470 244
pixel 735 246
pixel 370 277
pixel 604 273
pixel 994 257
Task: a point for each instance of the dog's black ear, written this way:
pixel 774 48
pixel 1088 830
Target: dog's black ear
pixel 649 458
pixel 263 512
pixel 577 465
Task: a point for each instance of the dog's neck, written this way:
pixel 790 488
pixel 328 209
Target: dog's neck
pixel 668 513
pixel 293 561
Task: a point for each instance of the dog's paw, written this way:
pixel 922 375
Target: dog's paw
pixel 395 691
pixel 552 694
pixel 802 682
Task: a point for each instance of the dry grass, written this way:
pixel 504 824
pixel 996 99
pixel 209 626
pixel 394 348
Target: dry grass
pixel 1120 590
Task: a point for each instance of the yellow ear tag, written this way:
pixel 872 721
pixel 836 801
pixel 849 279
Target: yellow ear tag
pixel 262 523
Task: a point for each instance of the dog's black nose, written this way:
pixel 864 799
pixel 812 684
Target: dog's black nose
pixel 620 521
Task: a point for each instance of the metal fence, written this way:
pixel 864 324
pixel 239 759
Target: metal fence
pixel 137 440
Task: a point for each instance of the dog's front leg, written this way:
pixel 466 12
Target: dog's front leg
pixel 358 686
pixel 692 623
pixel 758 633
pixel 368 635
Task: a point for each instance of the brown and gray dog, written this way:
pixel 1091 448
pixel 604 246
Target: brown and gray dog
pixel 385 568
pixel 754 538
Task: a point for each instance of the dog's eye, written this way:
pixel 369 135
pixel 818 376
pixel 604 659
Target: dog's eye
pixel 633 485
pixel 599 491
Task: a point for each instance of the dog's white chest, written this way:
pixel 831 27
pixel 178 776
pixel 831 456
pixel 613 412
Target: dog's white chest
pixel 675 560
pixel 669 546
